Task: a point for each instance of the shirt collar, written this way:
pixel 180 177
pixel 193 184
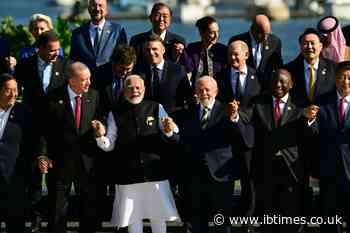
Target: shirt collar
pixel 307 65
pixel 100 26
pixel 284 99
pixel 211 105
pixel 244 70
pixel 159 66
pixel 5 111
pixel 71 93
pixel 162 35
pixel 41 62
pixel 347 98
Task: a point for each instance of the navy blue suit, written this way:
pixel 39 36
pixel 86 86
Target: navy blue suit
pixel 207 162
pixel 334 160
pixel 82 50
pixel 271 57
pixel 16 157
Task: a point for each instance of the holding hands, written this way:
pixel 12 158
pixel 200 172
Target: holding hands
pixel 168 124
pixel 99 128
pixel 232 109
pixel 311 112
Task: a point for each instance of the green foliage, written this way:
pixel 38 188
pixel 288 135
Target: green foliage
pixel 19 35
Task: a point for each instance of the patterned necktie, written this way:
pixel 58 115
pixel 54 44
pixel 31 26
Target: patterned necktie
pixel 77 111
pixel 155 83
pixel 96 40
pixel 205 118
pixel 277 111
pixel 341 112
pixel 257 56
pixel 311 82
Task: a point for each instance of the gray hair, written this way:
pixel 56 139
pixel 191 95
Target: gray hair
pixel 131 77
pixel 74 68
pixel 206 77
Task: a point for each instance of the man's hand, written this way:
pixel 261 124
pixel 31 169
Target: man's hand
pixel 44 164
pixel 177 50
pixel 168 124
pixel 311 112
pixel 99 128
pixel 11 62
pixel 232 109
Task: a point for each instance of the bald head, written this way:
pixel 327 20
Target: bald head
pixel 261 28
pixel 237 54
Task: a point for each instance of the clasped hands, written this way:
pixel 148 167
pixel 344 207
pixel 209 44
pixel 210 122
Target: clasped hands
pixel 310 112
pixel 232 109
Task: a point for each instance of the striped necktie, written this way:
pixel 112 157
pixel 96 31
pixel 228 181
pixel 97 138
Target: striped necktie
pixel 205 118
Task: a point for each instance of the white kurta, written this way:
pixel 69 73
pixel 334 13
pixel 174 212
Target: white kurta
pixel 149 200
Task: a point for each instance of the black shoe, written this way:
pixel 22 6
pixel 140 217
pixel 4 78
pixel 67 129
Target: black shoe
pixel 36 224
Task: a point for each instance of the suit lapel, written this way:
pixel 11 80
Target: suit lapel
pixel 55 74
pixel 86 36
pixel 287 112
pixel 267 112
pixel 106 32
pixel 213 115
pixel 86 110
pixel 69 111
pixel 321 76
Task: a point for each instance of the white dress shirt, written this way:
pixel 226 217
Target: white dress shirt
pixel 283 103
pixel 256 49
pixel 107 142
pixel 92 30
pixel 242 77
pixel 162 35
pixel 4 116
pixel 45 71
pixel 346 103
pixel 72 100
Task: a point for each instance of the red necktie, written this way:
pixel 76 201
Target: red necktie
pixel 341 111
pixel 77 111
pixel 277 111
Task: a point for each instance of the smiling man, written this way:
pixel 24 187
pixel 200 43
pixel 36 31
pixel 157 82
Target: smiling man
pixel 333 127
pixel 93 42
pixel 278 166
pixel 312 74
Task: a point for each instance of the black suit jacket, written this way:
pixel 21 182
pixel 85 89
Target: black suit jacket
pixel 271 57
pixel 16 145
pixel 325 82
pixel 174 87
pixel 251 90
pixel 138 42
pixel 211 146
pixel 69 148
pixel 33 94
pixel 277 157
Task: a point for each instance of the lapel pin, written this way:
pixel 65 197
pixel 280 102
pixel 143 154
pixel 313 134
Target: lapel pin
pixel 267 47
pixel 60 101
pixel 149 120
pixel 252 77
pixel 289 108
pixel 323 72
pixel 12 116
pixel 57 73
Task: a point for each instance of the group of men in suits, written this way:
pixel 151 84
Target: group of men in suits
pixel 236 110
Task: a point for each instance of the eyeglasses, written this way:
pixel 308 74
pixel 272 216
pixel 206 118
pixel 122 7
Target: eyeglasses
pixel 343 78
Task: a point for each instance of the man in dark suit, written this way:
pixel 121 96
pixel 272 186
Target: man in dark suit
pixel 239 82
pixel 312 74
pixel 264 49
pixel 7 62
pixel 72 149
pixel 38 75
pixel 93 43
pixel 16 155
pixel 278 166
pixel 346 32
pixel 206 57
pixel 160 18
pixel 206 137
pixel 114 73
pixel 333 127
pixel 166 82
